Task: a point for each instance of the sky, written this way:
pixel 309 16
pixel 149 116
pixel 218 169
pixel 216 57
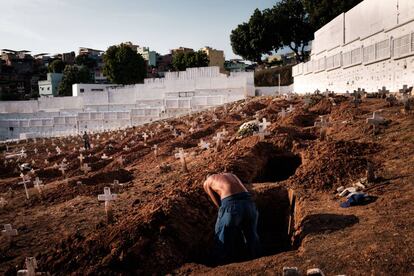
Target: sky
pixel 57 26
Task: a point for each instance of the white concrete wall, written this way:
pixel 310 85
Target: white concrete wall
pixel 178 93
pixel 273 90
pixel 377 50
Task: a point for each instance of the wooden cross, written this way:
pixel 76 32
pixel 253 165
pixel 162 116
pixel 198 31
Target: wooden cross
pixel 3 202
pixel 9 231
pixel 155 148
pixel 204 145
pixel 81 158
pixel 375 121
pixel 290 108
pixel 264 124
pixel 86 169
pixel 218 140
pixel 145 136
pixel 38 185
pixel 383 92
pixel 62 168
pixel 25 180
pixel 107 196
pixel 182 155
pixel 282 113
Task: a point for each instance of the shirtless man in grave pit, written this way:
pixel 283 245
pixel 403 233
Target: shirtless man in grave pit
pixel 236 227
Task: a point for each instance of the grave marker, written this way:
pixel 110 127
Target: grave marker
pixel 38 185
pixel 81 158
pixel 145 136
pixel 24 181
pixel 108 197
pixel 31 266
pixel 282 113
pixel 375 121
pixel 290 108
pixel 182 155
pixel 218 140
pixel 9 232
pixel 204 145
pixel 155 148
pixel 3 202
pixel 86 169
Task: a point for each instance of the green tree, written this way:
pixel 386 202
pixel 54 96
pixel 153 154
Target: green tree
pixel 123 65
pixel 322 11
pixel 182 61
pixel 290 22
pixel 72 75
pixel 56 66
pixel 86 60
pixel 256 37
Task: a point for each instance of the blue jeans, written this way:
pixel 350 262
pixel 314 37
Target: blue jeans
pixel 236 229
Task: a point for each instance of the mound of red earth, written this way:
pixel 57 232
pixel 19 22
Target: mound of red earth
pixel 164 222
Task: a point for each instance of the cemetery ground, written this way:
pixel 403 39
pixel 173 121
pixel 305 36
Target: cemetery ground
pixel 162 221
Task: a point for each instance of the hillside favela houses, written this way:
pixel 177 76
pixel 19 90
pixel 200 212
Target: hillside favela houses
pixel 95 107
pixel 368 47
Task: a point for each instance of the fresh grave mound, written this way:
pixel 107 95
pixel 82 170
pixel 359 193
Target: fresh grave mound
pixel 333 164
pixel 172 230
pixel 264 162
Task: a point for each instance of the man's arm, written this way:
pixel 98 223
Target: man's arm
pixel 213 196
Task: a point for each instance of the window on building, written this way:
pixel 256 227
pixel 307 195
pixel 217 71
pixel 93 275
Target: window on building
pixel 48 88
pixel 401 46
pixel 383 49
pixel 369 53
pixel 97 89
pixel 82 90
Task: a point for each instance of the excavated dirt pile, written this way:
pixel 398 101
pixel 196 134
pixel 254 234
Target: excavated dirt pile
pixel 163 222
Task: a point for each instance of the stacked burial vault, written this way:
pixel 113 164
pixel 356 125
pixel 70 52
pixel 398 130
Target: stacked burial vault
pixel 118 107
pixel 368 47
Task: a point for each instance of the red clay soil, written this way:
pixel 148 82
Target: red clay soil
pixel 163 221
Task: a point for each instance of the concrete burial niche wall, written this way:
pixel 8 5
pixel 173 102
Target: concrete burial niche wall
pixel 97 107
pixel 378 50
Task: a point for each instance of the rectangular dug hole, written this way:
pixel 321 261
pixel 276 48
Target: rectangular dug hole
pixel 276 206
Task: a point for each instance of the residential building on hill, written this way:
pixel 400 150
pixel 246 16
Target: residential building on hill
pixel 49 87
pixel 216 57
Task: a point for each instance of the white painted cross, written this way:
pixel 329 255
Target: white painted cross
pixel 155 148
pixel 218 140
pixel 25 180
pixel 3 202
pixel 191 130
pixel 145 136
pixel 182 155
pixel 58 150
pixel 204 145
pixel 85 168
pixel 151 134
pixel 38 185
pixel 31 266
pixel 62 167
pixel 81 158
pixel 104 157
pixel 9 231
pixel 264 124
pixel 282 113
pixel 108 197
pixel 224 132
pixel 126 148
pixel 290 108
pixel 35 150
pixel 323 122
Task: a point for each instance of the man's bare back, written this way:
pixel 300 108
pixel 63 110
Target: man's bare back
pixel 219 186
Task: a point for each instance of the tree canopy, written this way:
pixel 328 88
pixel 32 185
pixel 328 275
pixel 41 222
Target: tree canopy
pixel 72 75
pixel 182 61
pixel 56 66
pixel 123 65
pixel 289 23
pixel 85 60
pixel 322 11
